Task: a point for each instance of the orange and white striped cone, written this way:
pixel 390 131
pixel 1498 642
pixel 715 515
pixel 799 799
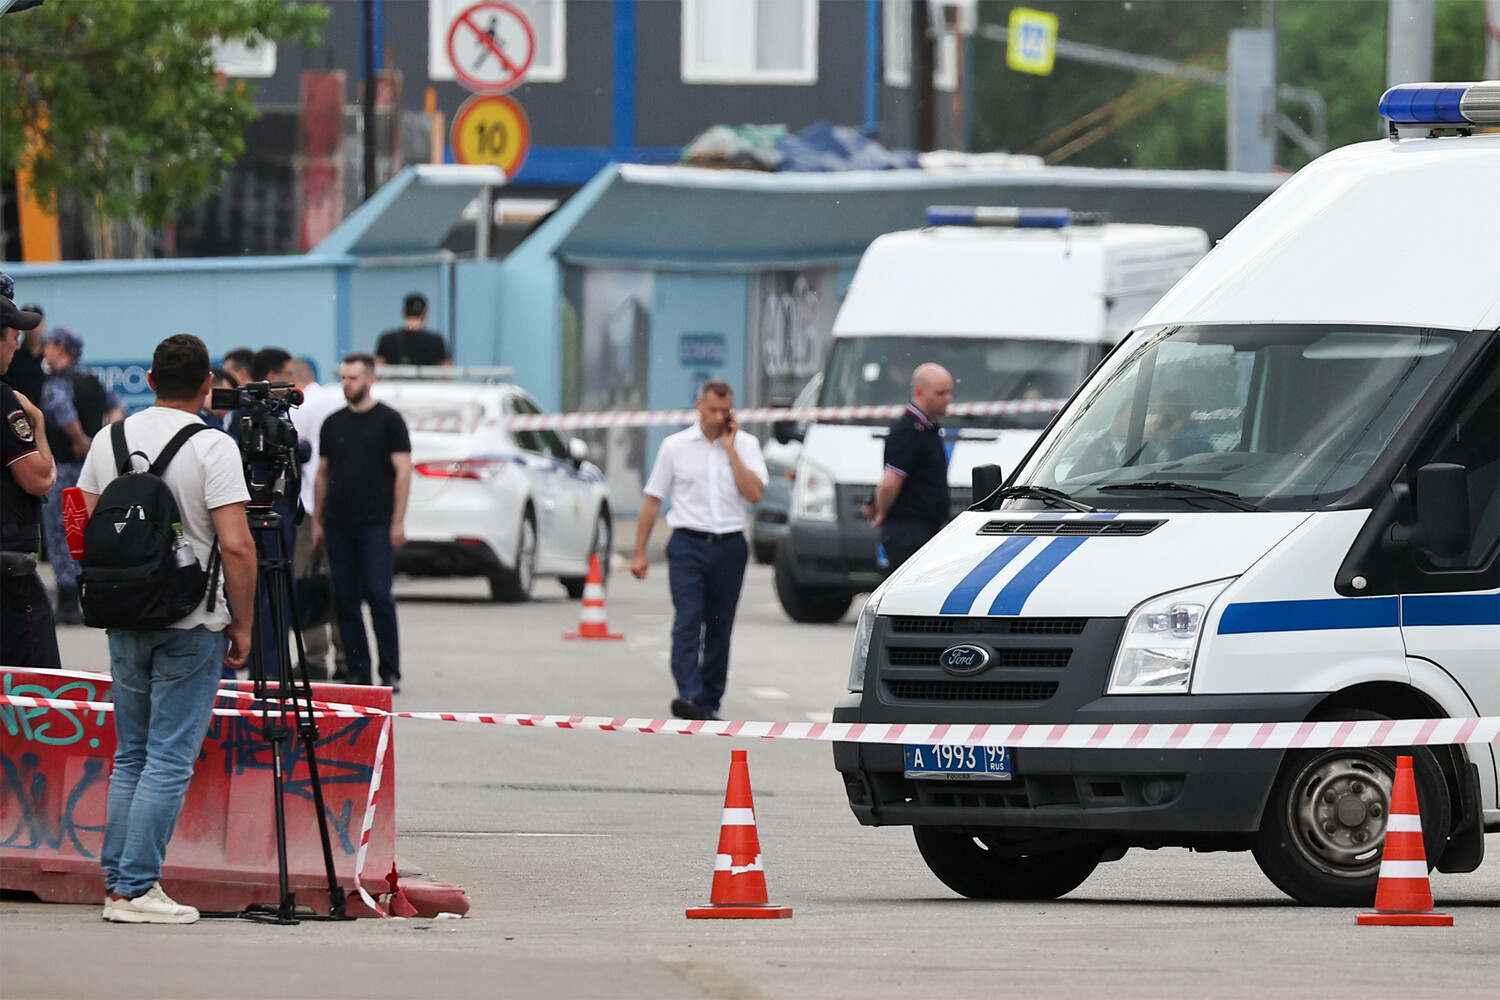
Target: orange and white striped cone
pixel 1403 896
pixel 739 888
pixel 592 622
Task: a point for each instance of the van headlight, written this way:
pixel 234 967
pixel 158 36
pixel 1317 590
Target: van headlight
pixel 1161 641
pixel 813 496
pixel 864 632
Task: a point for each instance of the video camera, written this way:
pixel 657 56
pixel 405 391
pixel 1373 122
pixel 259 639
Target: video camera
pixel 268 441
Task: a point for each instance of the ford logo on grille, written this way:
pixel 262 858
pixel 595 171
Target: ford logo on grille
pixel 964 660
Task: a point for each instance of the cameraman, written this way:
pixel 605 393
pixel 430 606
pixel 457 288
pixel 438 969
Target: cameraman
pixel 166 680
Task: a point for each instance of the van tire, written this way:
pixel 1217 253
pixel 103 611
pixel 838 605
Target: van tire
pixel 968 866
pixel 514 585
pixel 1307 863
pixel 804 604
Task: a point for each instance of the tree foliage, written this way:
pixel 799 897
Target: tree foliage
pixel 1334 47
pixel 135 120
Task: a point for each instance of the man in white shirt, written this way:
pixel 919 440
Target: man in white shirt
pixel 166 679
pixel 318 401
pixel 710 471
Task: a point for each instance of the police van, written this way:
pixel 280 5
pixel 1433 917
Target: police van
pixel 1277 500
pixel 1018 304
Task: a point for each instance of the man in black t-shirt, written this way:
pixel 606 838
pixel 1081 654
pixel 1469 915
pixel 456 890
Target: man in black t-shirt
pixel 412 343
pixel 911 503
pixel 359 512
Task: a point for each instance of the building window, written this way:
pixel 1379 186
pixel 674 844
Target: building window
pixel 750 41
pixel 548 20
pixel 897 34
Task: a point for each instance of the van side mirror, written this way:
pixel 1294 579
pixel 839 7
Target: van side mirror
pixel 1439 511
pixel 787 431
pixel 986 479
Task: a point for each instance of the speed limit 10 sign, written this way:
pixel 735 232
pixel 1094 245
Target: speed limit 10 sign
pixel 491 129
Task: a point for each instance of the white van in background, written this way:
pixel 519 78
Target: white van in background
pixel 1017 304
pixel 1277 502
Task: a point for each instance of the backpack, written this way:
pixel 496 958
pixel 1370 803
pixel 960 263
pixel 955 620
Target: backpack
pixel 138 569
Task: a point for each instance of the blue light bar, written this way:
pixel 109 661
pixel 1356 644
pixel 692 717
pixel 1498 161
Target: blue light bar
pixel 1017 218
pixel 1452 104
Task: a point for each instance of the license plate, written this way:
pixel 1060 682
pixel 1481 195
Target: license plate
pixel 953 761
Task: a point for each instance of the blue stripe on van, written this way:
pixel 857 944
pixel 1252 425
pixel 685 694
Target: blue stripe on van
pixel 1451 609
pixel 962 597
pixel 1307 616
pixel 1012 597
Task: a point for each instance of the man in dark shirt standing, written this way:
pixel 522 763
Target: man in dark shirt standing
pixel 412 343
pixel 359 501
pixel 911 503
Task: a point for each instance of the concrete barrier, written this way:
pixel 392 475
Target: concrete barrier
pixel 54 781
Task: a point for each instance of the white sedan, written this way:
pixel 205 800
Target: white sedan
pixel 485 501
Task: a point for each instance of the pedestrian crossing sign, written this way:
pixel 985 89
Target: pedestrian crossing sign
pixel 1032 45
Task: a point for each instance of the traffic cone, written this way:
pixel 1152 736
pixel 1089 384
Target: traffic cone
pixel 1403 896
pixel 592 623
pixel 739 888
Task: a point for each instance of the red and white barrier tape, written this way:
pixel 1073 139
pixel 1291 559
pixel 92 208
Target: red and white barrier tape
pixel 1117 736
pixel 369 821
pixel 758 415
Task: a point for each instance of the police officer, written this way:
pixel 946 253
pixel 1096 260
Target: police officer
pixel 911 503
pixel 28 637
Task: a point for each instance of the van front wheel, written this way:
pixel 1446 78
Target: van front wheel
pixel 1321 835
pixel 971 867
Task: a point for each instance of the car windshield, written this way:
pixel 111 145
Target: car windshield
pixel 1285 417
pixel 870 371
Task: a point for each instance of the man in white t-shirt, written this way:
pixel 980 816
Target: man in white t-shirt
pixel 318 401
pixel 166 680
pixel 710 471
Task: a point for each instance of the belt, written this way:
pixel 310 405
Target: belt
pixel 709 536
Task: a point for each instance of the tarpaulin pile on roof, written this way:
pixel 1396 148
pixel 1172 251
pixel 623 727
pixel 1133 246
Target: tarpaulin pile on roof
pixel 819 148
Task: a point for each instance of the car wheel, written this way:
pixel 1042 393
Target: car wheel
pixel 764 552
pixel 514 585
pixel 600 546
pixel 1323 829
pixel 971 867
pixel 804 604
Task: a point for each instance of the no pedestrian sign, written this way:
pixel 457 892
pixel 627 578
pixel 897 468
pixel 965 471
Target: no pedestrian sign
pixel 1032 45
pixel 491 46
pixel 491 129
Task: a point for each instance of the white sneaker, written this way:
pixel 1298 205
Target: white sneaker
pixel 151 907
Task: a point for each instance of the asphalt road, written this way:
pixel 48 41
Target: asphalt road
pixel 580 852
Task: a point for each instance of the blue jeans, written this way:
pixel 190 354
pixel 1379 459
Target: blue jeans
pixel 705 579
pixel 165 683
pixel 361 565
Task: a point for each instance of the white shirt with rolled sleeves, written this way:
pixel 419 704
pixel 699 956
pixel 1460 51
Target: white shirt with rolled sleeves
pixel 317 403
pixel 696 474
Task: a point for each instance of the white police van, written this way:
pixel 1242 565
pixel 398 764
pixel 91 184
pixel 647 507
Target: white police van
pixel 1017 304
pixel 1277 500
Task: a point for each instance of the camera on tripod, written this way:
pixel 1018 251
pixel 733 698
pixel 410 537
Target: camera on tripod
pixel 268 441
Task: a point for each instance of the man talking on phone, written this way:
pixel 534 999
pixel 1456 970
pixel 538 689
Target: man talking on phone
pixel 710 471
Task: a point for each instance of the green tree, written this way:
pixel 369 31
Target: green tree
pixel 136 124
pixel 1335 47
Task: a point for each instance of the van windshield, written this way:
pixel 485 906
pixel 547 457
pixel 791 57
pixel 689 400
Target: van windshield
pixel 871 371
pixel 1286 417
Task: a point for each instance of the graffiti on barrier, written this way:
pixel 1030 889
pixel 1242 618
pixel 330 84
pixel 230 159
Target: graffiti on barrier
pixel 36 826
pixel 58 727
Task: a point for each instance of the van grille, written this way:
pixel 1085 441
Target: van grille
pixel 1047 659
pixel 1069 528
pixel 988 626
pixel 961 691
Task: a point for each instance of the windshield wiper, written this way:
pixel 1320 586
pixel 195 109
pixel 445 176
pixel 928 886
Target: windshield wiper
pixel 1232 499
pixel 1045 493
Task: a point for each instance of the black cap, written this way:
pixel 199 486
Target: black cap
pixel 414 304
pixel 19 319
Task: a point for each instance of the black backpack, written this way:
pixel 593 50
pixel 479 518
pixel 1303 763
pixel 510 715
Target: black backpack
pixel 131 576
